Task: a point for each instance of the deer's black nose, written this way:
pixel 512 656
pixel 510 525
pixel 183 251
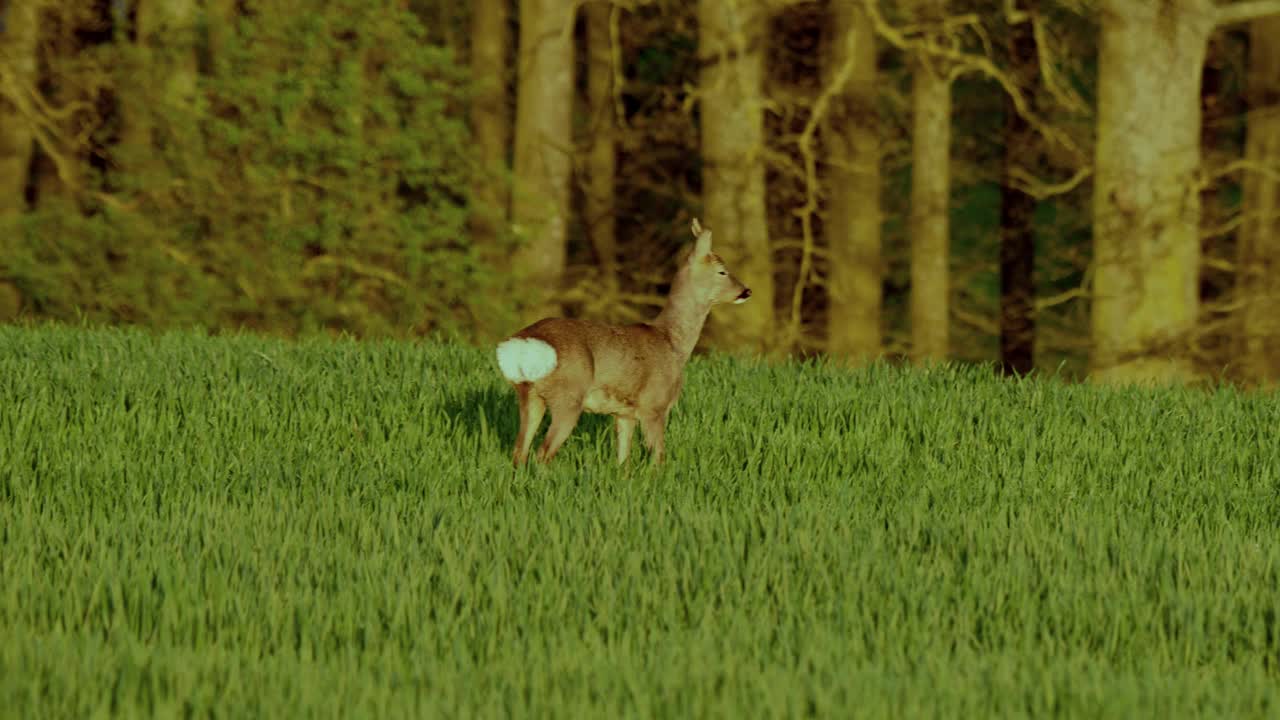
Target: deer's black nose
pixel 746 293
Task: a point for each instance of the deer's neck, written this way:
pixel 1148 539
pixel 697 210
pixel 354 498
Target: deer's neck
pixel 683 316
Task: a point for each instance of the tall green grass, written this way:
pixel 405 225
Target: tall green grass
pixel 248 527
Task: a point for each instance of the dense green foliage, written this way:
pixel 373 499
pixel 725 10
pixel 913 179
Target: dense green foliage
pixel 260 528
pixel 315 178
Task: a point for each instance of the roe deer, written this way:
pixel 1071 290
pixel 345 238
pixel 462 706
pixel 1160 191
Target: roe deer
pixel 633 372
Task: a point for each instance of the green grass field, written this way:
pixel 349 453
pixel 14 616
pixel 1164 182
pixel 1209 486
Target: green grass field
pixel 249 527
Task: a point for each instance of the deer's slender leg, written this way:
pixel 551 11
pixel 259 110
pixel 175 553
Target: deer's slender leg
pixel 654 427
pixel 565 412
pixel 626 427
pixel 532 408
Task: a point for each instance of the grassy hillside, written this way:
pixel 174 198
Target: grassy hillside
pixel 333 529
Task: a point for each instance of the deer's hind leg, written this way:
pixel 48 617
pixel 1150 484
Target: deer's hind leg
pixel 532 408
pixel 654 427
pixel 565 411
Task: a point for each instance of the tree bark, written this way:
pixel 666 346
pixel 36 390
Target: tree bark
pixel 1258 278
pixel 601 154
pixel 543 140
pixel 1017 208
pixel 930 203
pixel 490 121
pixel 1146 204
pixel 852 136
pixel 166 29
pixel 221 17
pixel 18 54
pixel 731 53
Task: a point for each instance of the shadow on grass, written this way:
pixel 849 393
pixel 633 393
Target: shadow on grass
pixel 495 405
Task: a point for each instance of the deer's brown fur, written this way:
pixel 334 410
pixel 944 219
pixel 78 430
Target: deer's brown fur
pixel 633 372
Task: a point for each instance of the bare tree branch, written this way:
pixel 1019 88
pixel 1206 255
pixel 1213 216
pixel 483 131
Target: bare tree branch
pixel 1059 88
pixel 838 81
pixel 1065 296
pixel 1246 166
pixel 1041 190
pixel 1246 11
pixel 43 120
pixel 964 62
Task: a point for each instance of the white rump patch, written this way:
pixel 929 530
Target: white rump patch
pixel 526 359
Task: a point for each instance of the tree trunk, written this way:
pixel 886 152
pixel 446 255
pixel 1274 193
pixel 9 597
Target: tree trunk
pixel 1017 208
pixel 166 29
pixel 601 155
pixel 171 26
pixel 853 220
pixel 544 135
pixel 1146 204
pixel 930 203
pixel 731 53
pixel 490 120
pixel 18 55
pixel 221 17
pixel 1259 250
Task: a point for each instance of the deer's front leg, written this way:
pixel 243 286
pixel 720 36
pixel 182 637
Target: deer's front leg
pixel 626 427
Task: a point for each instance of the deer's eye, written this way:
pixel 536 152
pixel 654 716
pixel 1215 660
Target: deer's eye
pixel 723 272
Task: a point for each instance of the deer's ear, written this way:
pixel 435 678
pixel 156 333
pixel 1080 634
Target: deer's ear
pixel 702 246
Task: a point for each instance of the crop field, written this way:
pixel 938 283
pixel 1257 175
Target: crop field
pixel 247 527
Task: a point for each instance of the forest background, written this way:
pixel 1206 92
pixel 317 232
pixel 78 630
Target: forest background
pixel 1090 187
